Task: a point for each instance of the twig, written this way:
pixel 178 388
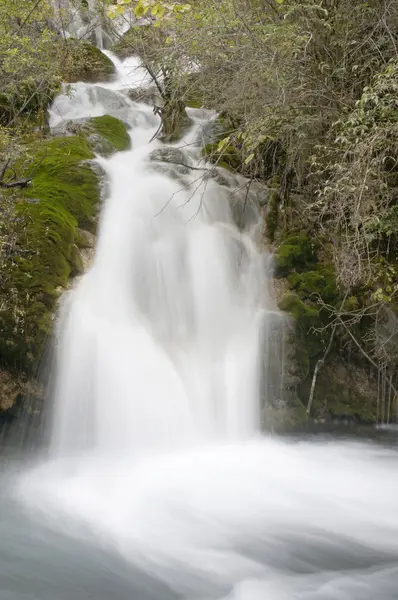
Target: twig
pixel 321 361
pixel 4 169
pixel 29 15
pixel 318 367
pixel 366 355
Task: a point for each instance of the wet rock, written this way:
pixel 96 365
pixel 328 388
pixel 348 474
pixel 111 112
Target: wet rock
pixel 85 62
pixel 111 100
pixel 169 154
pixel 170 161
pixel 146 95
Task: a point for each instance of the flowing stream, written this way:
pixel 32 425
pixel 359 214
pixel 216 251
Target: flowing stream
pixel 158 484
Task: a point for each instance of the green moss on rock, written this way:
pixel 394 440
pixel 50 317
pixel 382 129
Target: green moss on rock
pixel 321 281
pixel 113 130
pixel 292 304
pixel 343 392
pixel 62 180
pixel 296 252
pixel 84 62
pixel 63 195
pixel 105 135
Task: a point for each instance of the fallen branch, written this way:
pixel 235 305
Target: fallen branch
pixel 22 183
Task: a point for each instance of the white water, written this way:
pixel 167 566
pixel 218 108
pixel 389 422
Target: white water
pixel 155 444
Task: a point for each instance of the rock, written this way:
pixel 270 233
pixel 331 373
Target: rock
pixel 85 239
pixel 175 122
pixel 11 387
pixel 222 177
pixel 100 145
pixel 146 95
pixel 84 62
pixel 171 161
pixel 76 261
pixel 105 134
pixel 168 154
pixel 112 130
pixel 112 101
pixel 102 180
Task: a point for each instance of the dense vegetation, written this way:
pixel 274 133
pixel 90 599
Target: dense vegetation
pixel 49 189
pixel 307 93
pixel 307 96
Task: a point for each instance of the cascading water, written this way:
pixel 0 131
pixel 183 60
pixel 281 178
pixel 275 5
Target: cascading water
pixel 158 484
pixel 171 308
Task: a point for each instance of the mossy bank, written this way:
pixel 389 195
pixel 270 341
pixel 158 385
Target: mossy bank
pixel 321 341
pixel 44 228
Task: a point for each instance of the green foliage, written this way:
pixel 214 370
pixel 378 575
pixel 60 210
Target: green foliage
pixel 29 76
pixel 154 9
pixel 359 195
pixel 223 157
pixel 320 282
pixel 292 304
pixel 295 252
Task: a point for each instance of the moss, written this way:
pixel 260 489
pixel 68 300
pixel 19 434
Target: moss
pixel 295 252
pixel 296 307
pixel 104 135
pixel 63 195
pixel 60 180
pixel 84 62
pixel 113 130
pixel 321 281
pixel 342 391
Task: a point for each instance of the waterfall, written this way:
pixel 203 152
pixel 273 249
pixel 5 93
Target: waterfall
pixel 167 347
pixel 161 338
